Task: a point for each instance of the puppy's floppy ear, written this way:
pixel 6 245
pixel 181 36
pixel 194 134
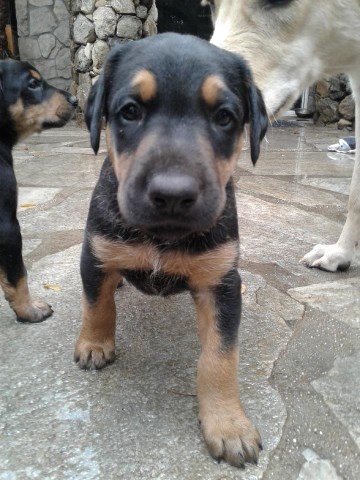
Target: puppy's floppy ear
pixel 258 119
pixel 96 104
pixel 94 111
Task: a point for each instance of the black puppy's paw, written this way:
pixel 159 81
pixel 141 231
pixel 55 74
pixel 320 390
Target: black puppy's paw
pixel 230 436
pixel 94 355
pixel 35 312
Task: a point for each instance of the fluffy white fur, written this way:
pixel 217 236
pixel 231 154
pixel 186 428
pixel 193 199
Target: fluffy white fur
pixel 290 47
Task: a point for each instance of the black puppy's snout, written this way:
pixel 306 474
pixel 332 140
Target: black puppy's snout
pixel 72 100
pixel 173 194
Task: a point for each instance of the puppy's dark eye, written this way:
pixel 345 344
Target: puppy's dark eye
pixel 223 118
pixel 131 112
pixel 33 84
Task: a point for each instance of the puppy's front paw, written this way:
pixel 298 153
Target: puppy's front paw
pixel 94 355
pixel 34 312
pixel 230 436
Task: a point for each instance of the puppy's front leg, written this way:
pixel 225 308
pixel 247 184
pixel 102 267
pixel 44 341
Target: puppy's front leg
pixel 95 346
pixel 228 433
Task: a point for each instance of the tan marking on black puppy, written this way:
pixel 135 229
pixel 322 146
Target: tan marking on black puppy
pixel 203 270
pixel 21 302
pixel 225 167
pixel 212 90
pixel 35 74
pixel 95 346
pixel 222 418
pixel 144 83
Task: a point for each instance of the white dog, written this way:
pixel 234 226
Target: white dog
pixel 290 44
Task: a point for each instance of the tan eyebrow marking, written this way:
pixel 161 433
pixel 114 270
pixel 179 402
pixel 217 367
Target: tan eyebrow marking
pixel 145 85
pixel 211 89
pixel 35 74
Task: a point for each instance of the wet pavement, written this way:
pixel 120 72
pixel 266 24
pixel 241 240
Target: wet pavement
pixel 137 419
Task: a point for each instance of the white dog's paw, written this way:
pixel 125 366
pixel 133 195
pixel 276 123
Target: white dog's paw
pixel 328 257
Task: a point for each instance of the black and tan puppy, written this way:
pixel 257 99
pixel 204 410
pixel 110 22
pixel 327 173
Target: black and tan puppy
pixel 27 104
pixel 163 212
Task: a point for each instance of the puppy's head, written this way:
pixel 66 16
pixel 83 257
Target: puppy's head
pixel 175 108
pixel 28 103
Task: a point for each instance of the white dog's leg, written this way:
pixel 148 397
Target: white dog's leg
pixel 340 255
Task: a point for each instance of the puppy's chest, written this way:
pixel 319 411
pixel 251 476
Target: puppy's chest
pixel 163 271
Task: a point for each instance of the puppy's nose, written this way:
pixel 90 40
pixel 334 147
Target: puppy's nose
pixel 72 100
pixel 173 194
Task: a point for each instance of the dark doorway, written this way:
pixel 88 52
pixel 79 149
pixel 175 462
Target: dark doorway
pixel 184 16
pixel 8 30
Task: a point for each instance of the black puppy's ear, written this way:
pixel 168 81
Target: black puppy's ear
pixel 258 120
pixel 94 111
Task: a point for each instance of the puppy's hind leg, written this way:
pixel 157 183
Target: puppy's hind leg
pixel 340 255
pixel 13 278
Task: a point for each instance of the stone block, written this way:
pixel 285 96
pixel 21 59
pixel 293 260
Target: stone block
pixel 62 59
pixel 88 6
pixel 153 12
pixel 60 11
pixel 41 20
pixel 22 17
pixel 83 61
pixel 56 49
pixel 141 12
pixel 149 27
pixel 62 32
pixel 83 89
pixel 29 48
pixel 129 27
pixel 123 6
pixel 328 110
pixel 99 52
pixel 47 67
pixel 41 3
pixel 347 108
pixel 47 43
pixel 84 30
pixel 105 22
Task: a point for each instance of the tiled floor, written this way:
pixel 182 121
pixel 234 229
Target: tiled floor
pixel 299 336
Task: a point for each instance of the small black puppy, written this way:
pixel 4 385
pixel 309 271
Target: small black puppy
pixel 163 212
pixel 27 104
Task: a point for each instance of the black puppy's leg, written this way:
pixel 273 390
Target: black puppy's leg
pixel 228 433
pixel 95 346
pixel 13 278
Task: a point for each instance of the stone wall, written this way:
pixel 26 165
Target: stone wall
pixel 97 26
pixel 44 38
pixel 334 103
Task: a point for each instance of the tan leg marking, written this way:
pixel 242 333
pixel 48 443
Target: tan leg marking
pixel 201 270
pixel 95 346
pixel 26 309
pixel 228 433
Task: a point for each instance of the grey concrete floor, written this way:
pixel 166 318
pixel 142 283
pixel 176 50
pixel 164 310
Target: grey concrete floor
pixel 137 419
